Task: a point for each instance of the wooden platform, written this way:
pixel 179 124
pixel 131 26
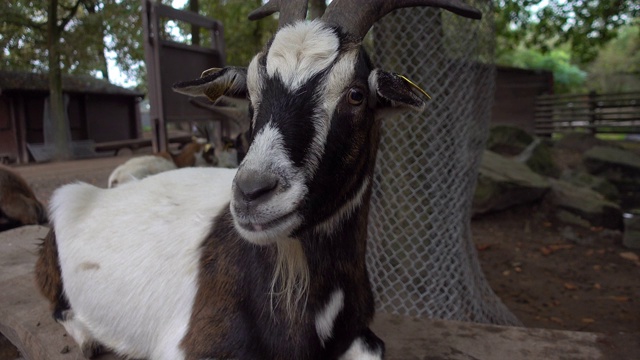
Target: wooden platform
pixel 26 321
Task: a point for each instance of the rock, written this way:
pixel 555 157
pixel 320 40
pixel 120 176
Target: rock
pixel 580 142
pixel 595 183
pixel 514 142
pixel 508 140
pixel 585 204
pixel 631 237
pixel 614 164
pixel 503 182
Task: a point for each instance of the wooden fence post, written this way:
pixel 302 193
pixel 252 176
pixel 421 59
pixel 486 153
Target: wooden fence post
pixel 593 105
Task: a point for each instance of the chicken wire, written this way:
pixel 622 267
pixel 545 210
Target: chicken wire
pixel 421 257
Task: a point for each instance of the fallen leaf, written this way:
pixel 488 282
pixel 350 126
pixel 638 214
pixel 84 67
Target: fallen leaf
pixel 483 247
pixel 560 247
pixel 597 267
pixel 556 320
pixel 601 251
pixel 570 286
pixel 629 256
pixel 620 298
pixel 589 252
pixel 517 269
pixel 597 286
pixel 506 273
pixel 546 224
pixel 588 320
pixel 550 249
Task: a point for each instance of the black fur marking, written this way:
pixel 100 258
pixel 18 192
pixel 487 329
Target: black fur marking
pixel 61 306
pixel 290 113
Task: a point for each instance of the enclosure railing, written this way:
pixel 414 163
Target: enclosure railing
pixel 595 113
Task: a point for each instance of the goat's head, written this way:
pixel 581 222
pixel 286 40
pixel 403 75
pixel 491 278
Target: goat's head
pixel 315 107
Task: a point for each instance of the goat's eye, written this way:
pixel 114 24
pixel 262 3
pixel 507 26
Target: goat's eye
pixel 355 96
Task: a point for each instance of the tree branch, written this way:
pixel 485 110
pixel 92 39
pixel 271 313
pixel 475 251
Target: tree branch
pixel 19 20
pixel 72 13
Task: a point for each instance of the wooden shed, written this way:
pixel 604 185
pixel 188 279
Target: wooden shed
pixel 515 96
pixel 98 111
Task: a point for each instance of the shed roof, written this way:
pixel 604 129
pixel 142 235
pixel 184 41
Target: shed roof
pixel 14 80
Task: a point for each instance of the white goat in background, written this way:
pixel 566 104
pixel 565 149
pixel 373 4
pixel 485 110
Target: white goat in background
pixel 198 153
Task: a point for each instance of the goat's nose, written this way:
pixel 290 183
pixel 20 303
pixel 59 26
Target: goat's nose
pixel 252 185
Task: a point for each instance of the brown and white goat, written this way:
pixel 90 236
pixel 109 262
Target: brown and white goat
pixel 18 204
pixel 266 262
pixel 196 153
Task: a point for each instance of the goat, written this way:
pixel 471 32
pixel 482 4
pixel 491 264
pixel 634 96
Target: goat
pixel 197 153
pixel 139 168
pixel 263 262
pixel 18 205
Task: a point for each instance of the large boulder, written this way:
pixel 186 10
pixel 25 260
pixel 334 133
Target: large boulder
pixel 504 182
pixel 581 206
pixel 631 238
pixel 595 183
pixel 614 164
pixel 516 143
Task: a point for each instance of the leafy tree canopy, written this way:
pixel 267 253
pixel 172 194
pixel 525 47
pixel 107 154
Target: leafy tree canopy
pixel 567 76
pixel 617 65
pixel 583 25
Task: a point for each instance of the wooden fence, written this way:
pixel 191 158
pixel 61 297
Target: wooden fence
pixel 596 113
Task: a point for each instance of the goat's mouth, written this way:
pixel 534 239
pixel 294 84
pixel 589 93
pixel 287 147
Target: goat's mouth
pixel 269 225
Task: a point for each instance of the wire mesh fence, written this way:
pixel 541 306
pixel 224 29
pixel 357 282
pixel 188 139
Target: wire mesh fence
pixel 421 257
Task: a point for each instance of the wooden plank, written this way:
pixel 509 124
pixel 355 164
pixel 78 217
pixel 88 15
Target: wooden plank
pixel 25 317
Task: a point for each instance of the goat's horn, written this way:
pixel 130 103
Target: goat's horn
pixel 290 11
pixel 356 17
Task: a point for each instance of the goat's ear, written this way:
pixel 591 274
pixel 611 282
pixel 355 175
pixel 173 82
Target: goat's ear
pixel 396 92
pixel 214 83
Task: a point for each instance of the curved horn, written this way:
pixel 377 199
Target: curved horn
pixel 290 11
pixel 357 16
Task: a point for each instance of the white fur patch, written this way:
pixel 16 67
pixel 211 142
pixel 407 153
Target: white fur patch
pixel 300 51
pixel 143 241
pixel 359 351
pixel 327 317
pixel 268 155
pixel 348 208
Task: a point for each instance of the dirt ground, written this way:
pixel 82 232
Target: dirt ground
pixel 547 281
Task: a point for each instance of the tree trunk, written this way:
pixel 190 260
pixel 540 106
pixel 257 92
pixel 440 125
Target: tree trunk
pixel 195 30
pixel 56 101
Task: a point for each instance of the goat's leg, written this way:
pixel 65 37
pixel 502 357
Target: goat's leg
pixel 79 332
pixel 367 346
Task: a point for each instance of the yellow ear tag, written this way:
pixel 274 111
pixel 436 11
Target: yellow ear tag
pixel 414 85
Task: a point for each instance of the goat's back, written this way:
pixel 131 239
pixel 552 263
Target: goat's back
pixel 116 253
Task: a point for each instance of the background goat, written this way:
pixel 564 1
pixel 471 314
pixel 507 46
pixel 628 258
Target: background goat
pixel 197 153
pixel 18 204
pixel 266 262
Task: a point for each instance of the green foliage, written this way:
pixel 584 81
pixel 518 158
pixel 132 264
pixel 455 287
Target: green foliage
pixel 584 26
pixel 617 66
pixel 567 77
pixel 243 38
pixel 24 35
pixel 100 27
